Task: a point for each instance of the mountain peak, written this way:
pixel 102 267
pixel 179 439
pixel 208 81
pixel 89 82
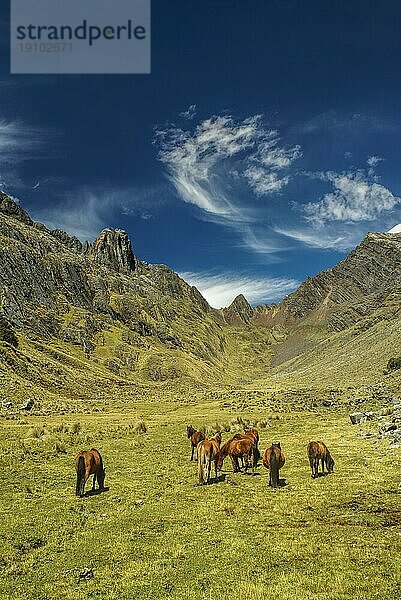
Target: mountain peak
pixel 112 248
pixel 239 311
pixel 11 208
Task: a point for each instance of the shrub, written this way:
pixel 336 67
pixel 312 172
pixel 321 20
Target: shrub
pixel 394 364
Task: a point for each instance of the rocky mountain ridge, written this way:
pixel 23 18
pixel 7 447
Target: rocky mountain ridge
pixel 101 309
pixel 339 296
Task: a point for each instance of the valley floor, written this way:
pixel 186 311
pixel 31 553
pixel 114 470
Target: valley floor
pixel 156 534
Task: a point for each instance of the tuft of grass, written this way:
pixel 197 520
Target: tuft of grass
pixel 60 448
pixel 139 427
pixel 37 432
pixel 76 428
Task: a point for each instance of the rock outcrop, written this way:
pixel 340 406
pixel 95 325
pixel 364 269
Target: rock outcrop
pixel 113 249
pixel 9 207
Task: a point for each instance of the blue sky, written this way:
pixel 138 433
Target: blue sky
pixel 263 146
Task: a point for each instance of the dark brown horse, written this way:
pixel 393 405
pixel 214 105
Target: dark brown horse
pixel 207 451
pixel 89 462
pixel 318 451
pixel 274 460
pixel 238 447
pixel 195 437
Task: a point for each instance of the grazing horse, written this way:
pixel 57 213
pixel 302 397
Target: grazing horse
pixel 207 451
pixel 317 451
pixel 274 460
pixel 238 447
pixel 89 462
pixel 195 437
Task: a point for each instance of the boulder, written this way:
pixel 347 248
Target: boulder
pixel 28 404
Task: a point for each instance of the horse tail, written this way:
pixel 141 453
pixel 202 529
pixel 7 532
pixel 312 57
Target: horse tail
pixel 256 454
pixel 203 463
pixel 79 490
pixel 274 469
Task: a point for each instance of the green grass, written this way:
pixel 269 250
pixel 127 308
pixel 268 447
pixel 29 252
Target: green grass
pixel 156 534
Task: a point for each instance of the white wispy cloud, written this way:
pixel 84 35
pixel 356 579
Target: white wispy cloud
pixel 219 163
pixel 200 161
pixel 322 239
pixel 373 161
pixel 17 141
pixel 190 113
pixel 354 198
pixel 349 123
pixel 20 142
pixel 220 289
pixel 86 211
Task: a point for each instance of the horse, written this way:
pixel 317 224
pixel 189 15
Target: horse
pixel 318 451
pixel 274 460
pixel 195 437
pixel 207 451
pixel 253 435
pixel 239 446
pixel 89 462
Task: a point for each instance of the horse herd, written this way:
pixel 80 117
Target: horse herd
pixel 244 447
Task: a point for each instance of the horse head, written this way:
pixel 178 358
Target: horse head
pixel 330 464
pixel 190 430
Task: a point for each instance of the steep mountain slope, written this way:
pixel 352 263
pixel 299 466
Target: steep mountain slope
pixel 89 312
pixel 52 287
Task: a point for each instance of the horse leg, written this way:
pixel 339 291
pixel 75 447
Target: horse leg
pixel 94 481
pixel 82 486
pixel 311 466
pixel 192 452
pixel 323 466
pixel 209 468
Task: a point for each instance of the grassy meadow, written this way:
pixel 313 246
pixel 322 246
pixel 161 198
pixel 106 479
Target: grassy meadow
pixel 156 534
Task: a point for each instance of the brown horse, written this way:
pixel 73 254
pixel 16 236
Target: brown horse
pixel 252 432
pixel 253 435
pixel 317 451
pixel 274 460
pixel 238 447
pixel 195 437
pixel 207 451
pixel 89 462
